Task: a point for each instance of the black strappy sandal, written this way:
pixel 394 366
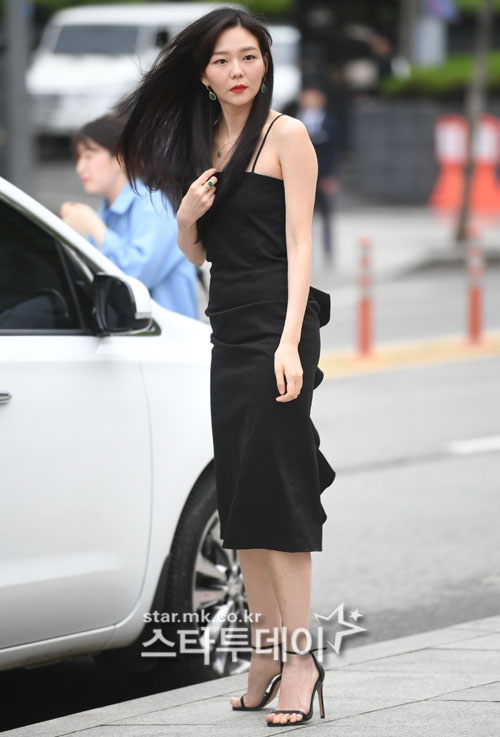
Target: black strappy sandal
pixel 318 686
pixel 270 691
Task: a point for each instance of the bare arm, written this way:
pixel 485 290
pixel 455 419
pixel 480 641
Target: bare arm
pixel 300 171
pixel 195 203
pixel 188 242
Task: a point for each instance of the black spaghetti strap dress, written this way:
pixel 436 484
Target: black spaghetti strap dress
pixel 269 470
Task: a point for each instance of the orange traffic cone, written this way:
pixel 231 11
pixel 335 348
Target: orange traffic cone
pixel 450 138
pixel 485 191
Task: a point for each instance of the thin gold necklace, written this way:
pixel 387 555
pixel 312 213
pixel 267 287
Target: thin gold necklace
pixel 219 152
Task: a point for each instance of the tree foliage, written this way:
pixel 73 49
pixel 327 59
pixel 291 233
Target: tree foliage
pixel 472 6
pixel 448 79
pixel 267 7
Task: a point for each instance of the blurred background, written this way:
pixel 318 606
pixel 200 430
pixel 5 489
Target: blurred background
pixel 401 99
pixel 388 69
pixel 390 74
pixel 402 102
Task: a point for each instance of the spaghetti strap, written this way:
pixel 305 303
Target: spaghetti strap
pixel 264 139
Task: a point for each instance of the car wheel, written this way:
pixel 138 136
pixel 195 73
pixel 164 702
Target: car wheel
pixel 205 588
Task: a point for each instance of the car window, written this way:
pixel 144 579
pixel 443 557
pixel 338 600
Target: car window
pixel 81 273
pixel 109 40
pixel 35 293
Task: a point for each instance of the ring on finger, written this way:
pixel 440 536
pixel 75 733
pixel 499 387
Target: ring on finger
pixel 209 184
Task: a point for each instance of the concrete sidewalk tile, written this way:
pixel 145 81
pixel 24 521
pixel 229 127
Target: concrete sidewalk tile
pixel 487 692
pixel 337 707
pixel 476 642
pixel 488 623
pixel 451 665
pixel 219 712
pixel 402 685
pixel 408 643
pixel 216 710
pixel 162 730
pixel 420 719
pixel 134 730
pixel 436 660
pixel 73 723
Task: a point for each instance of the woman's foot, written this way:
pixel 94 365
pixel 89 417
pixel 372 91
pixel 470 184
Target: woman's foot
pixel 297 682
pixel 263 667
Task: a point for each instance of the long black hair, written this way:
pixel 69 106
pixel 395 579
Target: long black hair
pixel 166 141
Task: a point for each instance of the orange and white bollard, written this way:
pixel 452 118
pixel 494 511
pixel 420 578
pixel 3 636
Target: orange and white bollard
pixel 365 332
pixel 475 292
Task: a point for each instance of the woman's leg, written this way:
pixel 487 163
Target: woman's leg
pixel 262 601
pixel 291 578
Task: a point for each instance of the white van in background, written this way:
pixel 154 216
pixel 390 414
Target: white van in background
pixel 90 56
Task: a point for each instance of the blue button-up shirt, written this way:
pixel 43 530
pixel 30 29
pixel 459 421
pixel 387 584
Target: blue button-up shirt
pixel 141 238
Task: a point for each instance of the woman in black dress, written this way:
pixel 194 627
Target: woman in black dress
pixel 242 179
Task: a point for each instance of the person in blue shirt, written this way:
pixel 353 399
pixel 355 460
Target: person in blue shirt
pixel 137 232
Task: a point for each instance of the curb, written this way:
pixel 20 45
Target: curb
pixel 408 354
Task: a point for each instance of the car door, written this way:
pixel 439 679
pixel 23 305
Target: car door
pixel 75 466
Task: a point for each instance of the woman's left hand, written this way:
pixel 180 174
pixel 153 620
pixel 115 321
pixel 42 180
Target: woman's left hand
pixel 287 366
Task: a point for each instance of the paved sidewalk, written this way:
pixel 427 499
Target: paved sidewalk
pixel 403 240
pixel 440 683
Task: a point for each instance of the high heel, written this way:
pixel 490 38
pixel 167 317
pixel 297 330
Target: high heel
pixel 270 691
pixel 318 686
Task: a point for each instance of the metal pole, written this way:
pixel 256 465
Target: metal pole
pixel 19 143
pixel 408 15
pixel 475 105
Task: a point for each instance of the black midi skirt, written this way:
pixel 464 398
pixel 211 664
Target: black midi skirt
pixel 269 469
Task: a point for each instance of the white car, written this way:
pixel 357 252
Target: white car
pixel 107 494
pixel 90 56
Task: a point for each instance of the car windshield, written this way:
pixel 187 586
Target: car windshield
pixel 109 40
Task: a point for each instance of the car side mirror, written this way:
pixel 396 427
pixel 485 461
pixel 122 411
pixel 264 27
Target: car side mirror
pixel 115 306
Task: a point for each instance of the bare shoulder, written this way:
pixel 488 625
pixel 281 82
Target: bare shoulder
pixel 292 140
pixel 294 146
pixel 290 130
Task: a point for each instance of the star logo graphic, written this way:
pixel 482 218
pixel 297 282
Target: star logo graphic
pixel 352 629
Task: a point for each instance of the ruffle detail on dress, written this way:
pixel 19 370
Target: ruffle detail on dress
pixel 326 472
pixel 324 304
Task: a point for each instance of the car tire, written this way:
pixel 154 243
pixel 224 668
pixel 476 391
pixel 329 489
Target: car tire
pixel 205 588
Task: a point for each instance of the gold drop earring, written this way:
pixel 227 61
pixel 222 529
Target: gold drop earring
pixel 211 93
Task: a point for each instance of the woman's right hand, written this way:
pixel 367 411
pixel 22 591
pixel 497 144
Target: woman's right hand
pixel 198 199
